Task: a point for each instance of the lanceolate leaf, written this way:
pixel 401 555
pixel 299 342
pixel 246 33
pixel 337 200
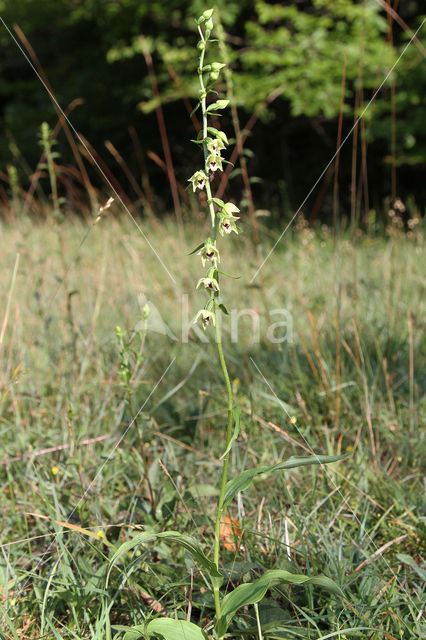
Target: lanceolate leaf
pixel 187 542
pixel 244 480
pixel 253 592
pixel 197 553
pixel 236 413
pixel 196 249
pixel 172 629
pixel 228 275
pixel 195 109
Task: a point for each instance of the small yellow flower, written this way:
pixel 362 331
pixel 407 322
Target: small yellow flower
pixel 101 535
pixel 54 471
pixel 349 448
pixel 236 382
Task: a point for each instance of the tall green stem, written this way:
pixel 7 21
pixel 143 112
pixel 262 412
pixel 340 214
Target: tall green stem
pixel 224 478
pixel 217 312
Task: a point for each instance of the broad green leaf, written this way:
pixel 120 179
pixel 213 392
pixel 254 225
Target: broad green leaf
pixel 172 629
pixel 253 592
pixel 244 480
pixel 132 633
pixel 237 413
pixel 186 542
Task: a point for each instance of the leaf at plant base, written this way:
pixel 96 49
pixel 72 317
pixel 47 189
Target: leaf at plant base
pixel 132 633
pixel 253 592
pixel 237 413
pixel 244 480
pixel 186 542
pixel 172 629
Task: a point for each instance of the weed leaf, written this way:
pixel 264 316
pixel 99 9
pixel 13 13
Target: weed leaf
pixel 187 542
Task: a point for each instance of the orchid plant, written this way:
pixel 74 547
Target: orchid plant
pixel 223 222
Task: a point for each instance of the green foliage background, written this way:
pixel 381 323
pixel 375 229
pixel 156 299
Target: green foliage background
pixel 91 49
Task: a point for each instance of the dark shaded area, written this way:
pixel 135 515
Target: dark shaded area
pixel 90 49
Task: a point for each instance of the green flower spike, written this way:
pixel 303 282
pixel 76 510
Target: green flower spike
pixel 198 180
pixel 207 317
pixel 208 283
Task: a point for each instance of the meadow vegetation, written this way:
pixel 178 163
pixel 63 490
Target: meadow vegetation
pixel 350 381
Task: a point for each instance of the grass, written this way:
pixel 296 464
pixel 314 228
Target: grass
pixel 351 380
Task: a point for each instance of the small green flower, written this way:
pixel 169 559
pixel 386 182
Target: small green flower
pixel 209 252
pixel 214 162
pixel 227 219
pixel 208 283
pixel 207 317
pixel 226 225
pixel 215 145
pixel 198 180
